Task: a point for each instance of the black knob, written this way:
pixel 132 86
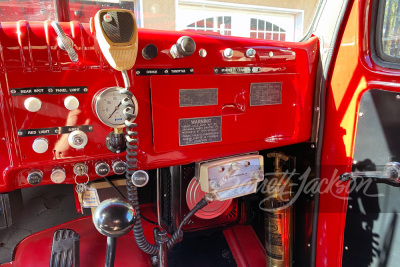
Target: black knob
pixel 150 51
pixel 185 46
pixel 35 177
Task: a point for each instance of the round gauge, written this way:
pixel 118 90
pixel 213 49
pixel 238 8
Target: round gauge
pixel 109 108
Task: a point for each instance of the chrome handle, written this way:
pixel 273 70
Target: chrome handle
pixel 64 42
pixel 390 173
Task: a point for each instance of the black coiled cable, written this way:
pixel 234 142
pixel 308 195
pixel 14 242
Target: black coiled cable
pixel 131 166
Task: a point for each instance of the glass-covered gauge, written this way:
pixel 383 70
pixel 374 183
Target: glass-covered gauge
pixel 109 108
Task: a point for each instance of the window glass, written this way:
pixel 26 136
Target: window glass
pixel 287 20
pixel 391 29
pixel 40 10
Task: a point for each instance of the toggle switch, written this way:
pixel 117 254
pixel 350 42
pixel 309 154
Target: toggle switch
pixel 71 102
pixel 33 104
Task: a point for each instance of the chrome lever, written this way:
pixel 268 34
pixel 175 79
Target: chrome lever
pixel 391 173
pixel 64 42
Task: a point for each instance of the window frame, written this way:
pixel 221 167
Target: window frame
pixel 376 34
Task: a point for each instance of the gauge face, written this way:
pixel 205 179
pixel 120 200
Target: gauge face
pixel 109 108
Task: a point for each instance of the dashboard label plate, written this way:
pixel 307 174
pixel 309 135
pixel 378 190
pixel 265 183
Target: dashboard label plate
pixel 49 90
pixel 54 130
pixel 194 131
pixel 198 97
pixel 176 71
pixel 263 94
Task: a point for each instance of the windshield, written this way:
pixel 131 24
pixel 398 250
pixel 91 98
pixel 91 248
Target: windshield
pixel 287 20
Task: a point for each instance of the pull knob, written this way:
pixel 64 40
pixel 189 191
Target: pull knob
pixel 119 167
pixel 40 145
pixel 64 42
pixel 35 177
pixel 77 139
pixel 71 102
pixel 58 175
pixel 33 104
pixel 102 168
pixel 184 47
pixel 140 178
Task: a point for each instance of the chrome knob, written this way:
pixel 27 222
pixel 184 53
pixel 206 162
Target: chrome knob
pixel 77 139
pixel 250 52
pixel 114 217
pixel 228 53
pixel 102 169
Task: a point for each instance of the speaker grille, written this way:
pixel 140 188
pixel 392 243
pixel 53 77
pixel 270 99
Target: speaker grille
pixel 120 28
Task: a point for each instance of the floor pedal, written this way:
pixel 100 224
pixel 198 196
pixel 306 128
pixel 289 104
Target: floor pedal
pixel 65 249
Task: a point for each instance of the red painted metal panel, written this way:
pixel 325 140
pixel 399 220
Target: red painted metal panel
pixel 30 57
pixel 267 125
pixel 245 246
pixel 353 73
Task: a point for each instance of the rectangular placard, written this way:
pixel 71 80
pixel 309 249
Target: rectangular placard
pixel 175 71
pixel 54 130
pixel 194 131
pixel 263 94
pixel 49 90
pixel 198 97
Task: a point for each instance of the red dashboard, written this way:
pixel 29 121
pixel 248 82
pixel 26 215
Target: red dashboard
pixel 33 65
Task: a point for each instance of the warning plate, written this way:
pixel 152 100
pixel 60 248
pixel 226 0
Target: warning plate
pixel 194 131
pixel 263 94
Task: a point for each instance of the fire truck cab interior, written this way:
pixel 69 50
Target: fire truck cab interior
pixel 190 133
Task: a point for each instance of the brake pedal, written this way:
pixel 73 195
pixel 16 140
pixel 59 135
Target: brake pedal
pixel 65 249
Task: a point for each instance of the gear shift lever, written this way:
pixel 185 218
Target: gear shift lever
pixel 113 218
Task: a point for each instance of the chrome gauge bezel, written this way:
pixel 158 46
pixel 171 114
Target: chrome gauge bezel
pixel 101 95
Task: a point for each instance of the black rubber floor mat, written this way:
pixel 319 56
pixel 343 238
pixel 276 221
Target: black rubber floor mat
pixel 202 251
pixel 65 249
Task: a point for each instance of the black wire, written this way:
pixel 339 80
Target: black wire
pixel 122 196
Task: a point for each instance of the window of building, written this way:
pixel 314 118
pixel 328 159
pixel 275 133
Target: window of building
pixel 219 24
pixel 262 29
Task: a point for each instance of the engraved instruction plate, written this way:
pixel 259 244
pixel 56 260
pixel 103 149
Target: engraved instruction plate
pixel 194 131
pixel 198 97
pixel 263 94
